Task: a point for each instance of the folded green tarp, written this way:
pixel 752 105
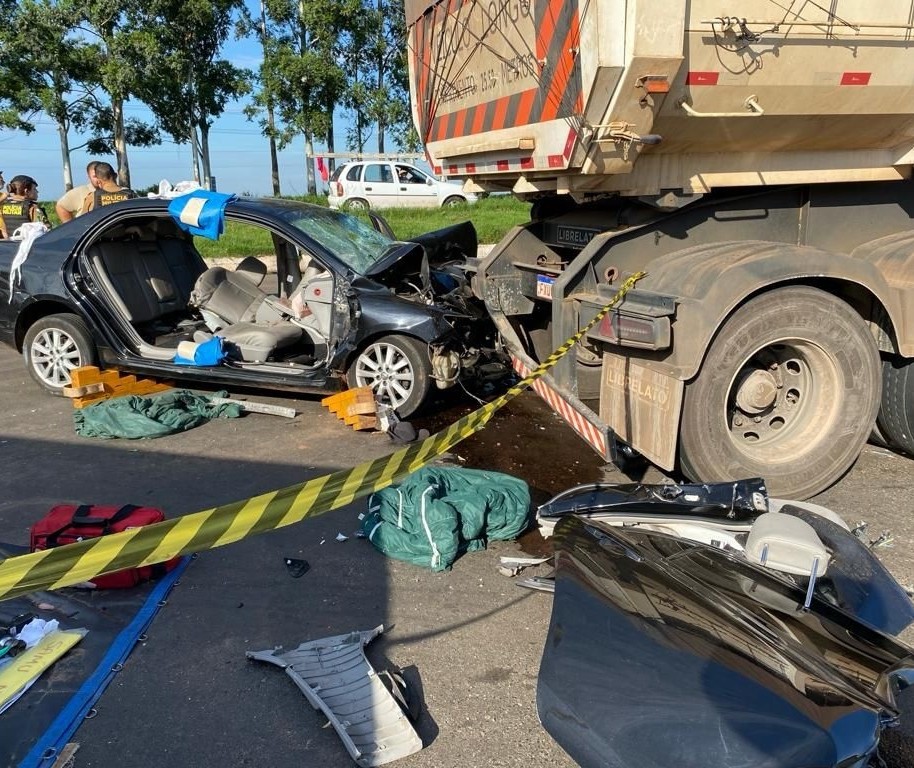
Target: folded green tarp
pixel 438 513
pixel 137 416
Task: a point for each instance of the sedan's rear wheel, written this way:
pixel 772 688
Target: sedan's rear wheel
pixel 788 391
pixel 398 370
pixel 53 347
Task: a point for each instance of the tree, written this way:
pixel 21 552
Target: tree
pixel 378 85
pixel 300 74
pixel 191 86
pixel 262 105
pixel 126 59
pixel 45 68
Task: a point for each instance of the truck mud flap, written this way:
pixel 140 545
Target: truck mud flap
pixel 578 416
pixel 337 679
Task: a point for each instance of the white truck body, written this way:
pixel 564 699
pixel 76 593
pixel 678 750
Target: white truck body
pixel 754 159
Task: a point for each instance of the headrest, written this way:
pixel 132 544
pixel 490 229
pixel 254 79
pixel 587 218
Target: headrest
pixel 788 544
pixel 253 269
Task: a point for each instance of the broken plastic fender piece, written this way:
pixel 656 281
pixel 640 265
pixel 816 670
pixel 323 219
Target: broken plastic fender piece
pixel 337 679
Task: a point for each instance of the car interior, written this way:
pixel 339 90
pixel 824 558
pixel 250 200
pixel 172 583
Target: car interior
pixel 162 289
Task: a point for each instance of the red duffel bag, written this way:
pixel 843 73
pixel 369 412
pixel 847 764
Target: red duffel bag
pixel 69 523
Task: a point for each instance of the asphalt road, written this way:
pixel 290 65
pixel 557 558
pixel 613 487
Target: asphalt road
pixel 469 639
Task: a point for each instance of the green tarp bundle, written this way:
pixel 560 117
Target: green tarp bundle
pixel 137 416
pixel 438 513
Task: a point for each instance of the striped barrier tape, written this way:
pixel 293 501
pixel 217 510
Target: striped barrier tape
pixel 76 563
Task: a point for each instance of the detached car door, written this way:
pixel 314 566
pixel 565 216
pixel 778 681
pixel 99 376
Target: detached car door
pixel 379 185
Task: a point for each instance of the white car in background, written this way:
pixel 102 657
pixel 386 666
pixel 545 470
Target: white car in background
pixel 366 184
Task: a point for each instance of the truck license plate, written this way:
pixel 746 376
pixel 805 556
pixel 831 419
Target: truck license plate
pixel 544 286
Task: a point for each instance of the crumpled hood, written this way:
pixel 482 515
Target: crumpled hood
pixel 451 244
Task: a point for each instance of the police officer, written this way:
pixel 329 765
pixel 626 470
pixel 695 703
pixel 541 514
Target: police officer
pixel 20 206
pixel 107 190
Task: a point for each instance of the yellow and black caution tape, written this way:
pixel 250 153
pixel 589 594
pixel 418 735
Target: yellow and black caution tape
pixel 75 563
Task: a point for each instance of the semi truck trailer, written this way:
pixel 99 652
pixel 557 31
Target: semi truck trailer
pixel 752 157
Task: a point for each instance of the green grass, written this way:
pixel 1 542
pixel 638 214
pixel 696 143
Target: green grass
pixel 492 217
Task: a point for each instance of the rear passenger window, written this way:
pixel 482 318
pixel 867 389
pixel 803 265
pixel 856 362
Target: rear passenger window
pixel 353 173
pixel 378 173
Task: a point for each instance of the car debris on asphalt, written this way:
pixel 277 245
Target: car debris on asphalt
pixel 337 679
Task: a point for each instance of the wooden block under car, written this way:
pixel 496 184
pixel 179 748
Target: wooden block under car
pixel 89 384
pixel 356 407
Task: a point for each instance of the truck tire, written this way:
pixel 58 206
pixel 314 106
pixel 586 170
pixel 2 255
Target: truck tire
pixel 788 391
pixel 895 423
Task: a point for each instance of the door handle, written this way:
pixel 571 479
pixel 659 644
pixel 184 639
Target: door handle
pixel 368 189
pixel 403 189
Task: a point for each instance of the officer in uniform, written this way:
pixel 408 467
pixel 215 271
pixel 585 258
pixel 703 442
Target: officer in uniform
pixel 107 191
pixel 20 207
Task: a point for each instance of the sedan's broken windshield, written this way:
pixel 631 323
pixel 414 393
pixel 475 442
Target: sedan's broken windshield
pixel 347 237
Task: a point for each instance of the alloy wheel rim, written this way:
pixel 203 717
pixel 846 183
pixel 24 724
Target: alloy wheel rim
pixel 54 353
pixel 388 372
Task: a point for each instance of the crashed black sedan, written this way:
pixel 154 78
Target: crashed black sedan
pixel 126 286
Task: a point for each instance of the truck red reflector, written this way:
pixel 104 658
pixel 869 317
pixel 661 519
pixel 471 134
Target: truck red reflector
pixel 526 162
pixel 556 161
pixel 855 78
pixel 471 167
pixel 629 331
pixel 452 169
pixel 437 170
pixel 502 165
pixel 656 85
pixel 702 78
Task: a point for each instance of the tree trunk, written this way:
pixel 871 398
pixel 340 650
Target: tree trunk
pixel 194 159
pixel 331 146
pixel 274 159
pixel 271 120
pixel 204 155
pixel 309 164
pixel 65 155
pixel 381 75
pixel 120 141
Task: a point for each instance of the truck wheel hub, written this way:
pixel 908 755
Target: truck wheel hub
pixel 757 392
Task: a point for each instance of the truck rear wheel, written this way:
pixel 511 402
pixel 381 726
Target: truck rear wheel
pixel 788 391
pixel 895 423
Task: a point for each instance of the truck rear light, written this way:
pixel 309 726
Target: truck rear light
pixel 633 331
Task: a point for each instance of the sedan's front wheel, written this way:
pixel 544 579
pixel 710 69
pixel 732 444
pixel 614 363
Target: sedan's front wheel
pixel 53 347
pixel 398 370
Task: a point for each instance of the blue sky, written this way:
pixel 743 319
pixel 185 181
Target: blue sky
pixel 239 153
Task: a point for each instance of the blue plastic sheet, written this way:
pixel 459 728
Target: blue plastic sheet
pixel 209 352
pixel 201 212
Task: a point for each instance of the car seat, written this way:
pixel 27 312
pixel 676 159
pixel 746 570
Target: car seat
pixel 225 297
pixel 235 307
